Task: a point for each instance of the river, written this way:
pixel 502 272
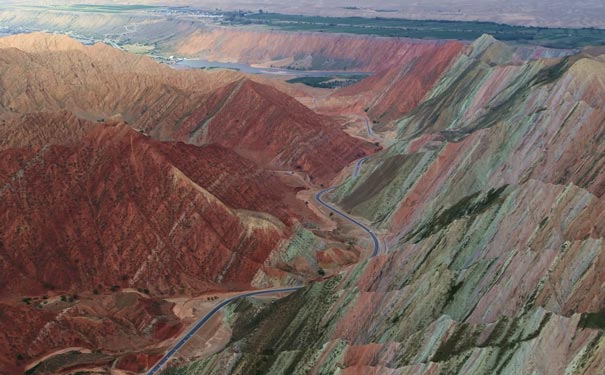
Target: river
pixel 244 68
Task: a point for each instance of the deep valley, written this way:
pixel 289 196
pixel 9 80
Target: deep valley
pixel 192 191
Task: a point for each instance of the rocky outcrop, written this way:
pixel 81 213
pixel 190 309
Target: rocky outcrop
pixel 526 105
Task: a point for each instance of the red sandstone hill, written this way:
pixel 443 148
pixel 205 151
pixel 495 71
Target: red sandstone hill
pixel 110 208
pixel 265 125
pixel 117 172
pixel 303 50
pixel 118 208
pixel 398 88
pixel 53 73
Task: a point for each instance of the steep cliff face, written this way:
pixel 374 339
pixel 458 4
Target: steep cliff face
pixel 492 196
pixel 491 124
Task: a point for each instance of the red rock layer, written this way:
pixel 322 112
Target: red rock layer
pixel 396 90
pixel 111 209
pixel 265 125
pixel 89 205
pixel 366 53
pixel 117 210
pixel 113 323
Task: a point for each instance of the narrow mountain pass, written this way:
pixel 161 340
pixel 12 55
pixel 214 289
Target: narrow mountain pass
pixel 199 324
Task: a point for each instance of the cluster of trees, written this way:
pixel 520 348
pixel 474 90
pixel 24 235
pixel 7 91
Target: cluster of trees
pixel 70 298
pixel 74 297
pixel 28 300
pixel 44 300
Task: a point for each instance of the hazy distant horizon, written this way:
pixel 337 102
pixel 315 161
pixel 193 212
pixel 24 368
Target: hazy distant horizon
pixel 555 13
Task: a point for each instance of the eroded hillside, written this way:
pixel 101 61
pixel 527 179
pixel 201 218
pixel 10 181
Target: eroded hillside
pixel 492 195
pixel 125 184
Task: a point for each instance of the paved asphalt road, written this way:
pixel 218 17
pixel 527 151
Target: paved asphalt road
pixel 375 241
pixel 318 196
pixel 200 323
pixel 358 166
pixel 370 131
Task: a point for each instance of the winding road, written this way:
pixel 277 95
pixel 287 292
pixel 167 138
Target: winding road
pixel 373 237
pixel 370 131
pixel 319 199
pixel 200 323
pixel 358 166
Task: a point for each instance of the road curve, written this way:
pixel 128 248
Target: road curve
pixel 200 323
pixel 349 218
pixel 358 166
pixel 370 131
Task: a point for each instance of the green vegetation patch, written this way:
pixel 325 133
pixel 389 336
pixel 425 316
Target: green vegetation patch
pixel 328 82
pixel 469 206
pixel 425 29
pixel 553 73
pixel 592 320
pixel 464 338
pixel 91 8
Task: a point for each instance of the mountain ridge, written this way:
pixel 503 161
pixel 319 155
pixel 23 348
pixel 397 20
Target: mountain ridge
pixel 109 214
pixel 491 195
